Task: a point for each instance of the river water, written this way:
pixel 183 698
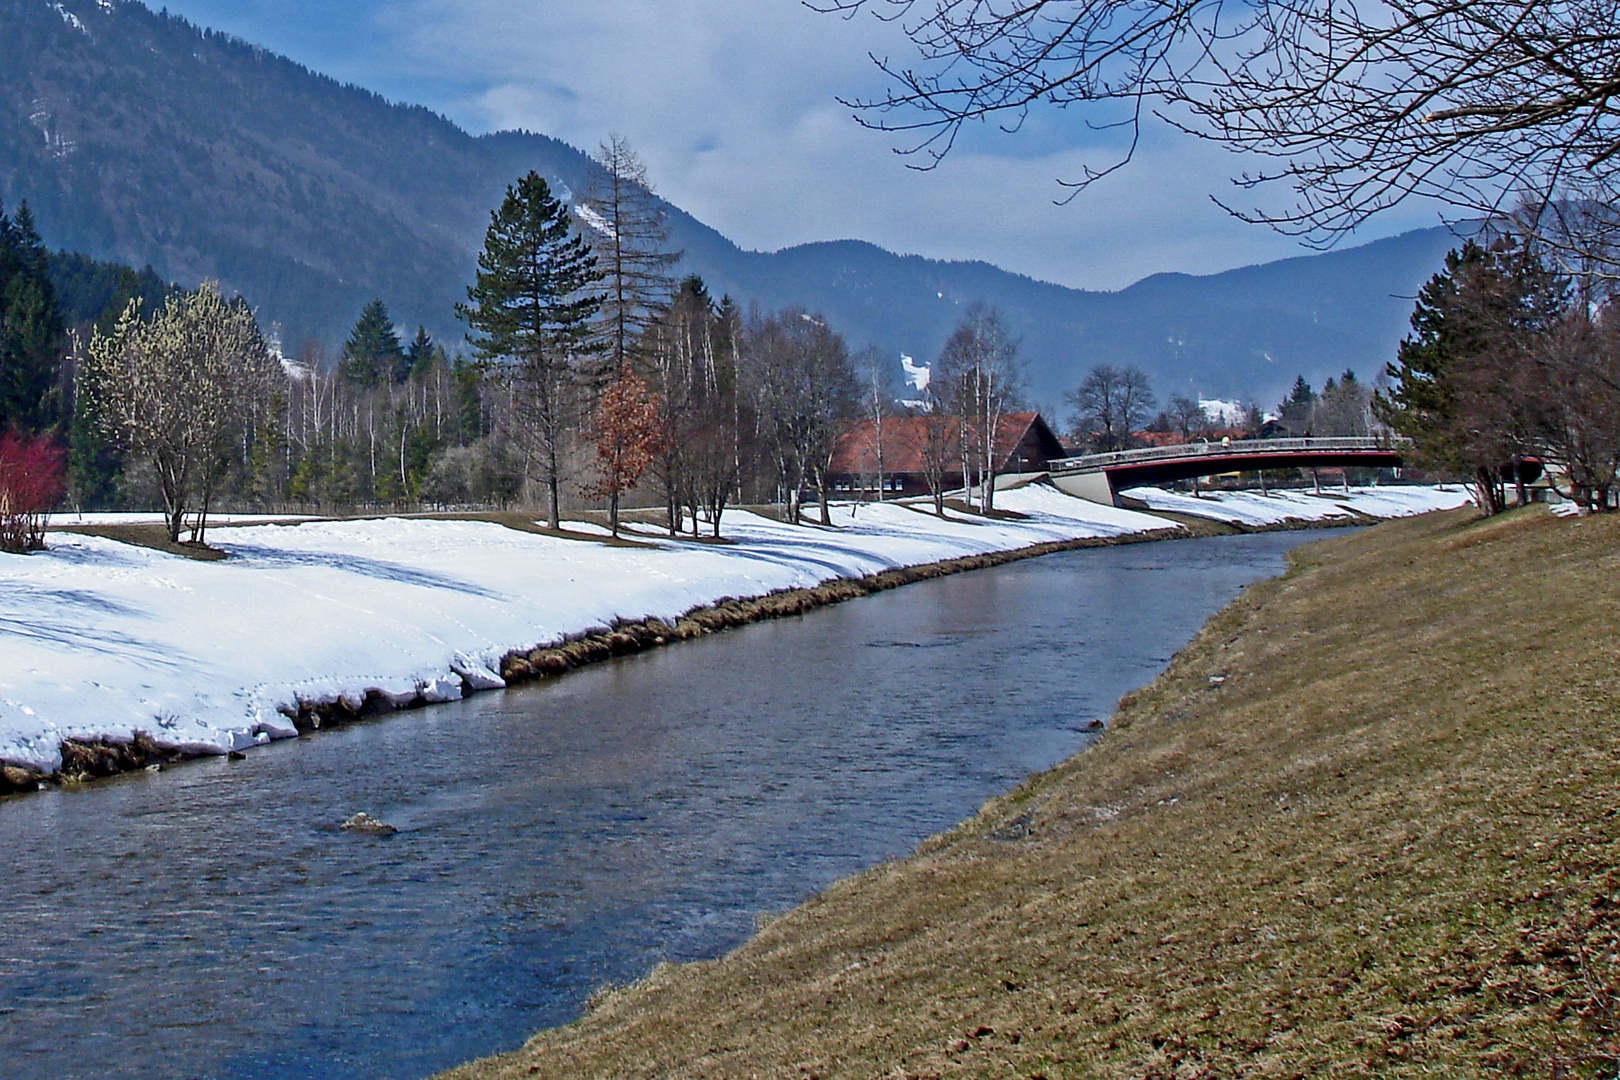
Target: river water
pixel 212 920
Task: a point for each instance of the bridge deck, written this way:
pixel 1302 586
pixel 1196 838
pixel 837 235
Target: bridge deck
pixel 1089 475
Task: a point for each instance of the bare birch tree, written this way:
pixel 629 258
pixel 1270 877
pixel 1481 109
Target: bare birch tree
pixel 978 366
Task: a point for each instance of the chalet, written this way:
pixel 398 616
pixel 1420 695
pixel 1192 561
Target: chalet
pixel 1024 444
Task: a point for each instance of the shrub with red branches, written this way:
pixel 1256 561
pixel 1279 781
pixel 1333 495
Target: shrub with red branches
pixel 31 484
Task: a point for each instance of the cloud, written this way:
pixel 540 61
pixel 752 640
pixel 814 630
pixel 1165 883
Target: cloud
pixel 734 106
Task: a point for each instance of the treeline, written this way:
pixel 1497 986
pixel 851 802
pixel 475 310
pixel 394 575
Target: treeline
pixel 590 372
pixel 1113 408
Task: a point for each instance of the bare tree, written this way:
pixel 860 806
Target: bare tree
pixel 875 405
pixel 692 358
pixel 1574 382
pixel 626 227
pixel 1186 417
pixel 978 368
pixel 1109 404
pixel 1344 408
pixel 805 389
pixel 182 390
pixel 938 433
pixel 1482 104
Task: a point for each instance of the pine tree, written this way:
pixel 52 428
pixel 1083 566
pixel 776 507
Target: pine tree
pixel 532 303
pixel 372 356
pixel 31 331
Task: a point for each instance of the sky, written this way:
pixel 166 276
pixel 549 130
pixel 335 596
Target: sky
pixel 734 107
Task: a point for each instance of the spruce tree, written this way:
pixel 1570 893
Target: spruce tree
pixel 420 354
pixel 1295 410
pixel 31 331
pixel 531 306
pixel 372 356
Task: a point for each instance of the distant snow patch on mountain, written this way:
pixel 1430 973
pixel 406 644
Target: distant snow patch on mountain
pixel 1222 413
pixel 70 18
pixel 596 221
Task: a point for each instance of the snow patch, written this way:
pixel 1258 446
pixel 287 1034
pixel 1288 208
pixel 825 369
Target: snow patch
pixel 1251 508
pixel 71 19
pixel 916 375
pixel 596 221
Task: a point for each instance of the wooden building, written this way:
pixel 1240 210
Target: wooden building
pixel 1024 444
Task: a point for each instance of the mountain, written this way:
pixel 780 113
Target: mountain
pixel 135 136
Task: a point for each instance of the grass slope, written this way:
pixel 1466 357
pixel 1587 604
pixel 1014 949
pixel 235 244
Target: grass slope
pixel 1364 823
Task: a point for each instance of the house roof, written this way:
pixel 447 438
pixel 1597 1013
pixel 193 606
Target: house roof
pixel 904 438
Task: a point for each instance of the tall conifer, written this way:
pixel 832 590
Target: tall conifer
pixel 372 356
pixel 531 306
pixel 31 331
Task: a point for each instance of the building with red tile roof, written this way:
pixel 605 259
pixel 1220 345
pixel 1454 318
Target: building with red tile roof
pixel 1024 444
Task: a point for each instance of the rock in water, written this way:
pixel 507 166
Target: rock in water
pixel 365 823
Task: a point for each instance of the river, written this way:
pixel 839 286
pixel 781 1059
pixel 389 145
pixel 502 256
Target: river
pixel 213 921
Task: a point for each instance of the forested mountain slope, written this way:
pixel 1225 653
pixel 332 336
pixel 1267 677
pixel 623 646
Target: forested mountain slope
pixel 135 136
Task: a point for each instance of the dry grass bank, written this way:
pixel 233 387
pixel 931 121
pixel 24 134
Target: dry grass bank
pixel 1365 823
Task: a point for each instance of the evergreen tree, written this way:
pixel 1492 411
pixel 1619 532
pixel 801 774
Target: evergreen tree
pixel 420 354
pixel 372 356
pixel 532 303
pixel 31 332
pixel 1295 410
pixel 1459 388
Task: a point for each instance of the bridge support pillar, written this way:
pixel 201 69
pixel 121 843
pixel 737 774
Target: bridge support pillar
pixel 1092 486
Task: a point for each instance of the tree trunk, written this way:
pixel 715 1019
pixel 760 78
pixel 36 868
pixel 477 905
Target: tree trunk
pixel 555 511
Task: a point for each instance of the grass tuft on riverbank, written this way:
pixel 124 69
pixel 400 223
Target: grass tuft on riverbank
pixel 1364 823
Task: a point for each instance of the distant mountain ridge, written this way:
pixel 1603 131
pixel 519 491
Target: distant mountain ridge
pixel 138 137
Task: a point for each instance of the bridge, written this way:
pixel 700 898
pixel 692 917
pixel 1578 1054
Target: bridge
pixel 1101 477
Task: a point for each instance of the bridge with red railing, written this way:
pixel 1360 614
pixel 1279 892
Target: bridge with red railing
pixel 1101 477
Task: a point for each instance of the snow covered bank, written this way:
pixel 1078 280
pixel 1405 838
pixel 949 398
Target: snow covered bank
pixel 100 640
pixel 1252 509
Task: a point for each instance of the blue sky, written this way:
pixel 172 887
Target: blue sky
pixel 733 105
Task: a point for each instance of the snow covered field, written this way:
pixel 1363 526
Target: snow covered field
pixel 1277 507
pixel 99 639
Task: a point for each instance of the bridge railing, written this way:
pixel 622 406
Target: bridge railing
pixel 1217 449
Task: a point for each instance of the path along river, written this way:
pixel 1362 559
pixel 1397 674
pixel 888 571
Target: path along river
pixel 212 921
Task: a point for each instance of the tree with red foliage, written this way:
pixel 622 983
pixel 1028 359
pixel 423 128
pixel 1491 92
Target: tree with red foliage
pixel 31 484
pixel 626 432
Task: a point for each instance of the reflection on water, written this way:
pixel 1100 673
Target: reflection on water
pixel 212 921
